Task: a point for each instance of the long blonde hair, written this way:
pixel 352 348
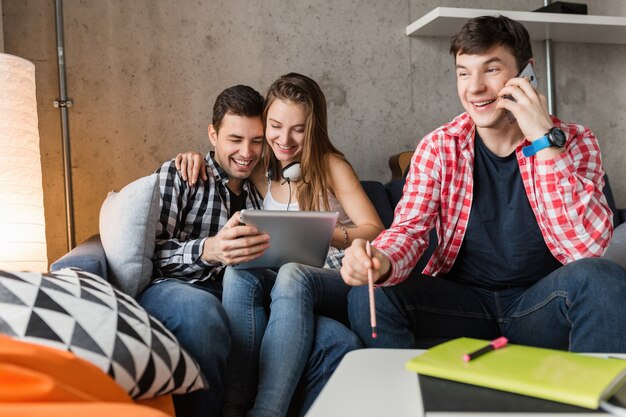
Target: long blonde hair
pixel 312 189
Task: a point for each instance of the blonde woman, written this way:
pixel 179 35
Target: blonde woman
pixel 275 347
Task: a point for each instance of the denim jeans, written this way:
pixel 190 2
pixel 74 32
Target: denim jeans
pixel 282 344
pixel 194 314
pixel 332 341
pixel 580 306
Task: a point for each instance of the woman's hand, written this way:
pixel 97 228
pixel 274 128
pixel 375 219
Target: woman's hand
pixel 191 166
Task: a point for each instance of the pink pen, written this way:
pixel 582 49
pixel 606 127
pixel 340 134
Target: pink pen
pixel 493 345
pixel 370 284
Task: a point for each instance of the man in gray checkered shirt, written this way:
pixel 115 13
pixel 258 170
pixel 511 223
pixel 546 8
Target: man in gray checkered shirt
pixel 198 233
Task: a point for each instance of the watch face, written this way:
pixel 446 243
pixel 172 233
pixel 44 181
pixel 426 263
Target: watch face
pixel 556 137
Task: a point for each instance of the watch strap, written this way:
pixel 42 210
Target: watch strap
pixel 537 145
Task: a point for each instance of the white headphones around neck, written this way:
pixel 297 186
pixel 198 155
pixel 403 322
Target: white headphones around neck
pixel 289 173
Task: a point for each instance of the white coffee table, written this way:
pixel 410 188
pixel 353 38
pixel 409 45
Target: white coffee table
pixel 371 382
pixel 375 383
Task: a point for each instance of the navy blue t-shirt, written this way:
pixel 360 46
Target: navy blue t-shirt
pixel 503 246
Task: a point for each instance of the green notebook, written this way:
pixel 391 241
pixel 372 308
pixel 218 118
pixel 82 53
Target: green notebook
pixel 543 373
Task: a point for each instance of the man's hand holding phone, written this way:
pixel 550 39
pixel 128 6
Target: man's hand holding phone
pixel 235 243
pixel 528 106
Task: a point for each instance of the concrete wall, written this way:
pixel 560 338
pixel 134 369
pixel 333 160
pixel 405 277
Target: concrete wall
pixel 1 30
pixel 144 73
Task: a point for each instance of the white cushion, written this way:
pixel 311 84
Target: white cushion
pixel 128 220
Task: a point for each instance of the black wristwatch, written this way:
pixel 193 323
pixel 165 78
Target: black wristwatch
pixel 554 138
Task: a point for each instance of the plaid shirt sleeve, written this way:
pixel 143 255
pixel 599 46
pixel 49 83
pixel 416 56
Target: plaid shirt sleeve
pixel 575 217
pixel 407 238
pixel 176 256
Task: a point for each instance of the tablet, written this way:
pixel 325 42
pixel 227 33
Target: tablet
pixel 295 236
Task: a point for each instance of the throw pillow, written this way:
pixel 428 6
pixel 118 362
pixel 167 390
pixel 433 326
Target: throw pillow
pixel 82 313
pixel 128 220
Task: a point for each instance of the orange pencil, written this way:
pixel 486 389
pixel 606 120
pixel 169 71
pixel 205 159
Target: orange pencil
pixel 370 284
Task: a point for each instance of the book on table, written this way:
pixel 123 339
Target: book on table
pixel 516 377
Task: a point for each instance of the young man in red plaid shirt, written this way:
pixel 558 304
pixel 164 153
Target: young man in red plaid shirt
pixel 515 196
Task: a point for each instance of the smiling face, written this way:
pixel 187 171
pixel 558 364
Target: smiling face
pixel 479 79
pixel 284 132
pixel 238 147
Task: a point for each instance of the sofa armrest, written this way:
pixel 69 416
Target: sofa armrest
pixel 617 249
pixel 88 256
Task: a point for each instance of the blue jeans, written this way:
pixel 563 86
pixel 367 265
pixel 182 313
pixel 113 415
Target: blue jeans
pixel 280 345
pixel 194 314
pixel 332 341
pixel 580 306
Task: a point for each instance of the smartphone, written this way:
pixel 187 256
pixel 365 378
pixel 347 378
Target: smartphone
pixel 529 73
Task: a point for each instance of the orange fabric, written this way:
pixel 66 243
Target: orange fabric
pixel 40 376
pixel 18 384
pixel 163 403
pixel 48 374
pixel 94 409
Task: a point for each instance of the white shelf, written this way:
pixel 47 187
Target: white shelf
pixel 447 21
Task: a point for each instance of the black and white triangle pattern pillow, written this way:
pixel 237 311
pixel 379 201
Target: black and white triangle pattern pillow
pixel 82 313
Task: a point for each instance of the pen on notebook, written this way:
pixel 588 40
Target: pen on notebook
pixel 493 345
pixel 370 284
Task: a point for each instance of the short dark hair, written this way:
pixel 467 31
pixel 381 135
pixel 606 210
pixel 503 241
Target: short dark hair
pixel 482 33
pixel 239 100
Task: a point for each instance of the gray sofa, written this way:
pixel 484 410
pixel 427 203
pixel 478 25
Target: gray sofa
pixel 132 245
pixel 90 255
